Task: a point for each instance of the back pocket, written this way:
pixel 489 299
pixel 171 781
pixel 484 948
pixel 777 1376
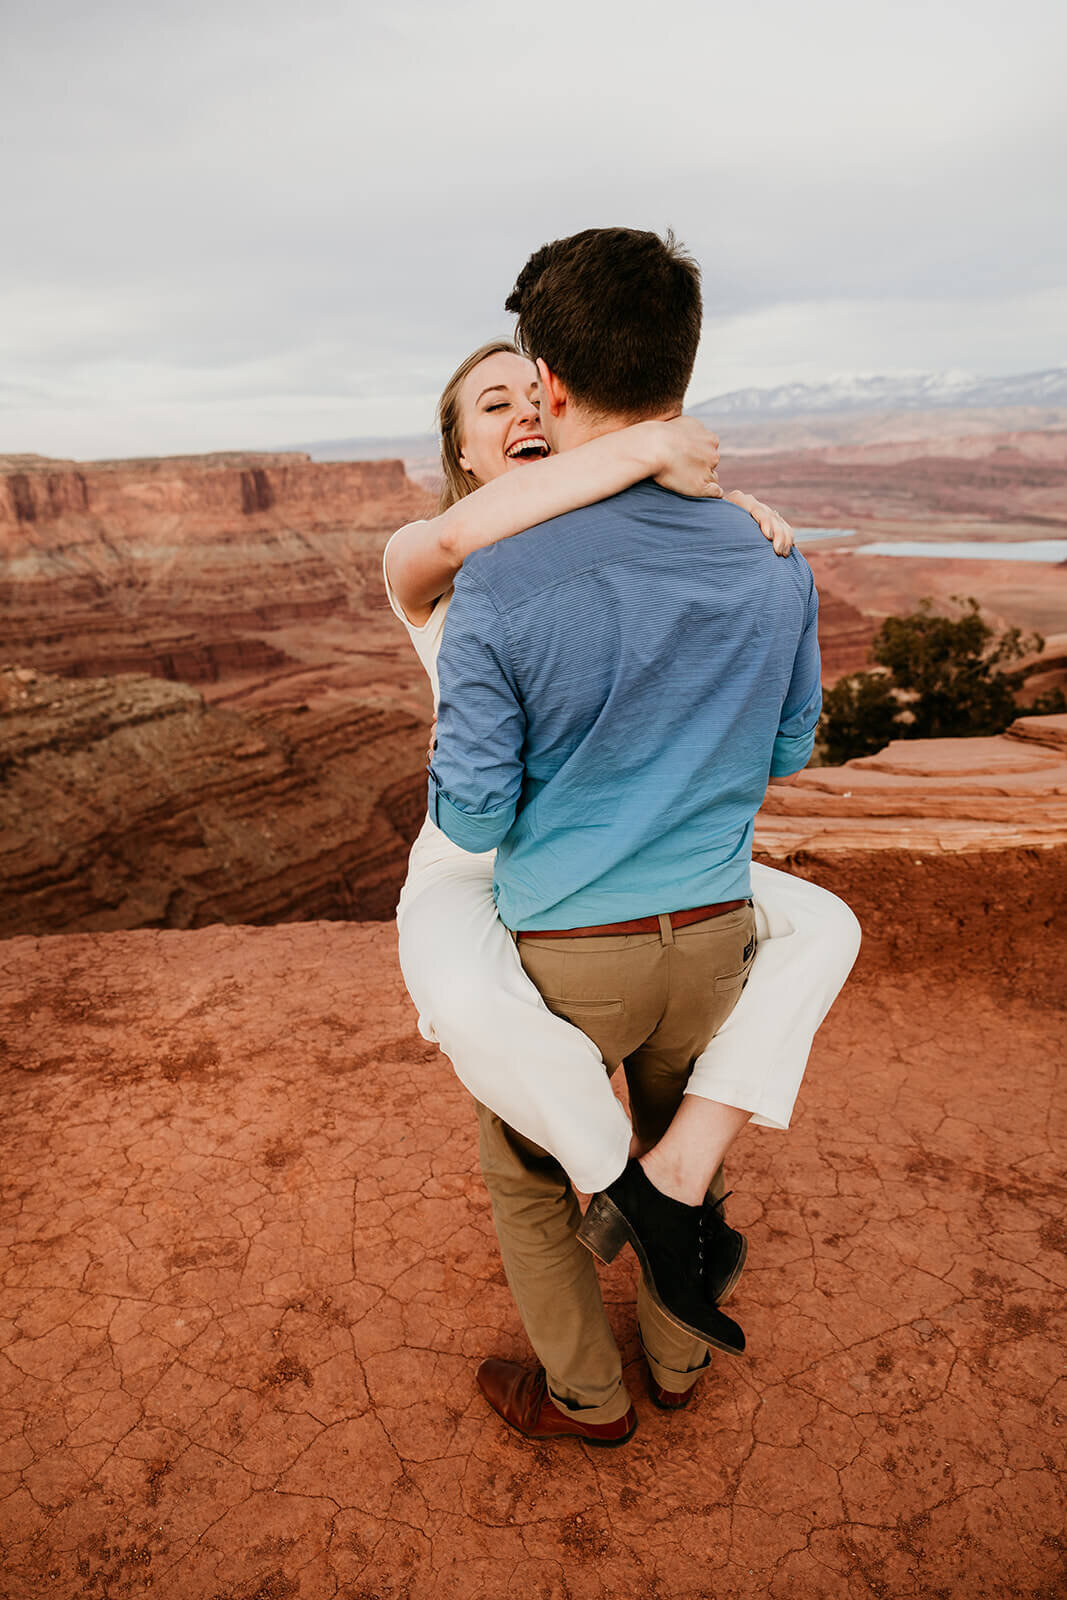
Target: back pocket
pixel 601 1008
pixel 734 982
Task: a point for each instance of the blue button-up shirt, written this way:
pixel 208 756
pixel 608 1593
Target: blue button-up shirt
pixel 617 686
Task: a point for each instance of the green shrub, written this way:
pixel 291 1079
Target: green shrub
pixel 942 677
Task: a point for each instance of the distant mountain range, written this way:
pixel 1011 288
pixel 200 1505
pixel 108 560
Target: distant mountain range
pixel 810 415
pixel 918 391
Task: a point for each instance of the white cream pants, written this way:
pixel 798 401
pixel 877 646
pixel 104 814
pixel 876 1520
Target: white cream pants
pixel 545 1078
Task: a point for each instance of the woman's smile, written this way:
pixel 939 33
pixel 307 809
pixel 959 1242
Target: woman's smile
pixel 530 447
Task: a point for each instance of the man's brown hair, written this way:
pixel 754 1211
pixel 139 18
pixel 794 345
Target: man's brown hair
pixel 615 313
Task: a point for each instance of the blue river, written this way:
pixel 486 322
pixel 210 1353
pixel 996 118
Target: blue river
pixel 1050 551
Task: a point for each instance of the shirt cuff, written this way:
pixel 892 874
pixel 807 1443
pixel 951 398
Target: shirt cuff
pixel 792 752
pixel 474 832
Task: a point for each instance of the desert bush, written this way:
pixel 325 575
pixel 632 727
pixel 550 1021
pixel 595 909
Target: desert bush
pixel 942 677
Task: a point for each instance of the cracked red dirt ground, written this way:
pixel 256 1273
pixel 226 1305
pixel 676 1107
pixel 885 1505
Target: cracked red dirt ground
pixel 249 1270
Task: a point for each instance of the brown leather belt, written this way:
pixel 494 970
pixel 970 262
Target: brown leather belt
pixel 677 919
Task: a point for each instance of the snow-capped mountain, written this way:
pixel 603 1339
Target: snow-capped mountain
pixel 915 391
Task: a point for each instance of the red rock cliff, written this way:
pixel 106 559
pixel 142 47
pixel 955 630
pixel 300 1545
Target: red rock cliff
pixel 183 568
pixel 212 494
pixel 127 802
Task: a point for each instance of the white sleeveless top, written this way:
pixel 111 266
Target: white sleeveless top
pixel 433 855
pixel 427 639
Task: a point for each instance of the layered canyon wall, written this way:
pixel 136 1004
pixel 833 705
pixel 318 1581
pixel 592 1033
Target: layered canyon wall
pixel 209 713
pixel 203 569
pixel 1008 486
pixel 1007 479
pixel 129 802
pixel 277 770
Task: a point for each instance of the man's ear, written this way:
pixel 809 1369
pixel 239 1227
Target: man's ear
pixel 553 392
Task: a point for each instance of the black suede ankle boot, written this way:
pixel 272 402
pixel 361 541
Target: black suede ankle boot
pixel 690 1257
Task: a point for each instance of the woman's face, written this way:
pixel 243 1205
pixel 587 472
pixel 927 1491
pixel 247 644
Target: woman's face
pixel 499 423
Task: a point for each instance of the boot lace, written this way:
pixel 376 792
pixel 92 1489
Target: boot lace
pixel 711 1221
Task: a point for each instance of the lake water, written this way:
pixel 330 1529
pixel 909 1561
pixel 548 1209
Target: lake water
pixel 1050 551
pixel 806 535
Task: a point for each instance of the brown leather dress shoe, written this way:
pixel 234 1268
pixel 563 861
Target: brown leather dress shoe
pixel 520 1395
pixel 667 1399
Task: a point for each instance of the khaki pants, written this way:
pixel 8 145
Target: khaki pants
pixel 650 1001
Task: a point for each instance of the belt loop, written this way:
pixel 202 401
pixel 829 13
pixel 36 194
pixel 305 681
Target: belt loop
pixel 666 931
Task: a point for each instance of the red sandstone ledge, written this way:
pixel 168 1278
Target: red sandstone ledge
pixel 249 1270
pixel 929 795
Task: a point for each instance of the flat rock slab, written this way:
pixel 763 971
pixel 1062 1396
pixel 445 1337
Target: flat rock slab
pixel 249 1270
pixel 945 796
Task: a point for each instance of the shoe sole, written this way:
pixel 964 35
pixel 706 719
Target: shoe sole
pixel 661 1407
pixel 549 1438
pixel 605 1229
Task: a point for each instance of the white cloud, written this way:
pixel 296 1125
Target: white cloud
pixel 315 211
pixel 814 340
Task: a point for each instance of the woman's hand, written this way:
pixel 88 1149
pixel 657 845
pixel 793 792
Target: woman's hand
pixel 772 524
pixel 690 456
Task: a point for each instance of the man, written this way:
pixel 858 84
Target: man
pixel 617 686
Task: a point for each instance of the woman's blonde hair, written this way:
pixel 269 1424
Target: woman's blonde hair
pixel 458 481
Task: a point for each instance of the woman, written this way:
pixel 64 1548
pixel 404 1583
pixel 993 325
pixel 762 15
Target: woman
pixel 540 1075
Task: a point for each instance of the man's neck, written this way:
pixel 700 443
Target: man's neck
pixel 577 427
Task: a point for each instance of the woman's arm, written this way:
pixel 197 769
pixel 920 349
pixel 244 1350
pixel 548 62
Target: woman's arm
pixel 424 558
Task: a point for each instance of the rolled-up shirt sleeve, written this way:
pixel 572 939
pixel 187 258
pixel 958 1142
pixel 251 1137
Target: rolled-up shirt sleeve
pixel 477 770
pixel 795 739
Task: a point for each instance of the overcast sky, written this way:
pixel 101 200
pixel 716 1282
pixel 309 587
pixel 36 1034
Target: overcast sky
pixel 254 224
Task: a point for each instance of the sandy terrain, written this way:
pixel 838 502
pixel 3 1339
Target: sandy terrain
pixel 250 1272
